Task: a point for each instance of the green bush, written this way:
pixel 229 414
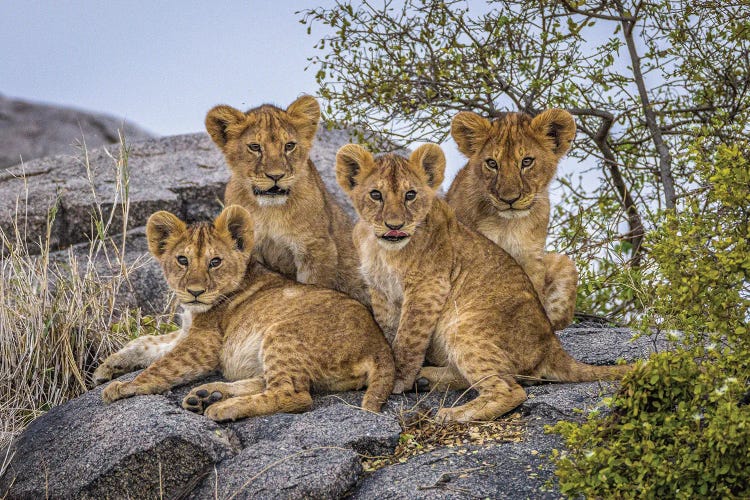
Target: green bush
pixel 679 425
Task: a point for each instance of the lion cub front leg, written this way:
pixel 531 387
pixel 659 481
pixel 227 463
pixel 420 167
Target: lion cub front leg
pixel 195 356
pixel 136 354
pixel 317 263
pixel 420 313
pixel 386 314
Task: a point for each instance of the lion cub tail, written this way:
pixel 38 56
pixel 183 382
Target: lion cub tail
pixel 380 379
pixel 562 367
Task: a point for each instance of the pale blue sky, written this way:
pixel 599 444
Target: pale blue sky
pixel 162 65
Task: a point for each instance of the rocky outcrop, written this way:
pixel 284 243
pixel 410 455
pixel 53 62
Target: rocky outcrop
pixel 147 446
pixel 30 130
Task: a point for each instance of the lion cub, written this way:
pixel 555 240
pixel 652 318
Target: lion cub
pixel 444 292
pixel 300 230
pixel 274 338
pixel 503 192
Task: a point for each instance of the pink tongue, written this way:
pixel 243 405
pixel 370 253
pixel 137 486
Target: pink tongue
pixel 395 234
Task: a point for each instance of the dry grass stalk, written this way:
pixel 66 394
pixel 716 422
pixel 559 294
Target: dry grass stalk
pixel 56 314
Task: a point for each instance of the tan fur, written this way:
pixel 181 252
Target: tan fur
pixel 520 228
pixel 275 339
pixel 303 234
pixel 446 293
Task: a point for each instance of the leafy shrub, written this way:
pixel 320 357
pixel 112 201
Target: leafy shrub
pixel 680 423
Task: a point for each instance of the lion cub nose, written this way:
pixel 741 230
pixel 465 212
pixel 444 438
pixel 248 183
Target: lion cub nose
pixel 196 292
pixel 510 202
pixel 275 177
pixel 394 226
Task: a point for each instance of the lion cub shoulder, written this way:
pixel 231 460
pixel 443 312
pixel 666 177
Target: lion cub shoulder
pixel 271 337
pixel 300 230
pixel 503 193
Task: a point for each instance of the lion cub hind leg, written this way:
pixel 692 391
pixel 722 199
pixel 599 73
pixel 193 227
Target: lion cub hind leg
pixel 490 373
pixel 205 395
pixel 380 378
pixel 440 378
pixel 275 399
pixel 560 284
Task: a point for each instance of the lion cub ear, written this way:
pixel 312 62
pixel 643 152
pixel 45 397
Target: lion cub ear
pixel 470 131
pixel 558 127
pixel 236 223
pixel 219 119
pixel 429 160
pixel 353 164
pixel 162 226
pixel 304 114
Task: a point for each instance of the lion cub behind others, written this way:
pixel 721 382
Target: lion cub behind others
pixel 275 339
pixel 300 229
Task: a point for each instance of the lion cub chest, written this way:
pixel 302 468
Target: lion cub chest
pixel 242 353
pixel 378 273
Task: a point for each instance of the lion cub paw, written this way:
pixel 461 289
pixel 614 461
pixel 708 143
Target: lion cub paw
pixel 116 390
pixel 108 370
pixel 445 415
pixel 203 396
pixel 225 411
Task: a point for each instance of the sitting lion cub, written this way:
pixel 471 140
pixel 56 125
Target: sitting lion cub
pixel 445 292
pixel 275 338
pixel 300 230
pixel 503 192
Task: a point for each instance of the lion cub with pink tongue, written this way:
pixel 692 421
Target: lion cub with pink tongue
pixel 434 289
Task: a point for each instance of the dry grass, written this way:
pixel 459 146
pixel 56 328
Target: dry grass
pixel 57 314
pixel 422 434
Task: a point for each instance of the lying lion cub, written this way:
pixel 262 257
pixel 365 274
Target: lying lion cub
pixel 503 192
pixel 300 230
pixel 275 338
pixel 442 291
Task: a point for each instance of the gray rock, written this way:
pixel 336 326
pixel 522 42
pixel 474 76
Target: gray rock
pixel 136 447
pixel 281 470
pixel 30 130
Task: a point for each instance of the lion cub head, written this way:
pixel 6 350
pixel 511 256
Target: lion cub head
pixel 267 147
pixel 513 157
pixel 203 262
pixel 390 193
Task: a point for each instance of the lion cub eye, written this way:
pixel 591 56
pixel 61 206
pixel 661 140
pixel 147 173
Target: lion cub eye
pixel 182 260
pixel 376 195
pixel 215 262
pixel 289 146
pixel 410 195
pixel 527 162
pixel 254 147
pixel 491 164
